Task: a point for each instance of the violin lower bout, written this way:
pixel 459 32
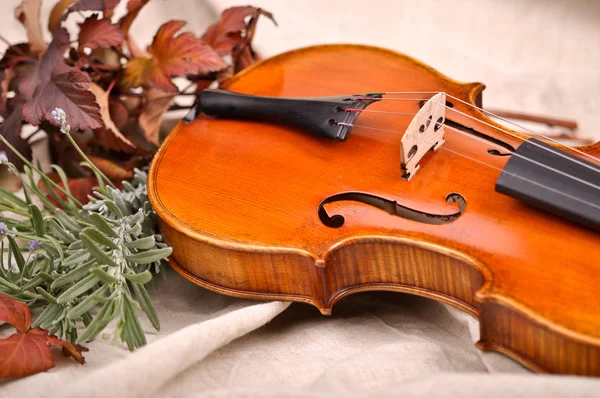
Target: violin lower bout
pixel 377 264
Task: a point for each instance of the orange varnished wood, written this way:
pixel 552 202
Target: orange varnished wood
pixel 238 203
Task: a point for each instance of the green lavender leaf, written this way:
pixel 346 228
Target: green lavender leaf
pixel 103 275
pixel 144 300
pixel 14 248
pixel 80 287
pixel 99 237
pixel 143 243
pixel 96 251
pixel 68 222
pixel 59 232
pixel 141 279
pixel 37 220
pixel 149 256
pixel 101 223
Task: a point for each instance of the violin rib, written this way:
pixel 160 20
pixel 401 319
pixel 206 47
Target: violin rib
pixel 243 218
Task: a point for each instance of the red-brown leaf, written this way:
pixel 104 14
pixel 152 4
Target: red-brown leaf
pixel 28 12
pixel 65 88
pixel 118 112
pixel 95 5
pixel 110 135
pixel 172 56
pixel 106 6
pixel 80 188
pixel 96 33
pixel 153 113
pixel 224 35
pixel 15 54
pixel 15 313
pixel 11 130
pixel 111 169
pixel 28 351
pixel 59 85
pixel 133 9
pixel 57 12
pixel 6 76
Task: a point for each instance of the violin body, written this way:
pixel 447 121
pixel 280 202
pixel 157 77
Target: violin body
pixel 238 201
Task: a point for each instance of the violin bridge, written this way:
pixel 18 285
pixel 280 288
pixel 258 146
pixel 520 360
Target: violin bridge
pixel 425 132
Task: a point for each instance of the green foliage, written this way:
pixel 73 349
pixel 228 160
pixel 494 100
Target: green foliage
pixel 85 266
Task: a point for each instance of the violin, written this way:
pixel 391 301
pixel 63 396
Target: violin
pixel 338 169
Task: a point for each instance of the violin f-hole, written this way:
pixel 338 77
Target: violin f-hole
pixel 390 206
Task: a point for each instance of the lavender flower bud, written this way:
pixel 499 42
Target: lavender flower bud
pixel 33 245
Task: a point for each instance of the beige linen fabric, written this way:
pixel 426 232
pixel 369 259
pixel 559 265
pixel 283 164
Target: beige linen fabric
pixel 535 56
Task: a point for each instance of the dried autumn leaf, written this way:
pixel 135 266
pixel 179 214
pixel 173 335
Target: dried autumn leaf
pixel 133 9
pixel 111 136
pixel 6 76
pixel 11 130
pixel 138 72
pixel 96 33
pixel 58 11
pixel 28 351
pixel 111 169
pixel 224 35
pixel 153 113
pixel 80 188
pixel 59 85
pixel 118 112
pixel 14 55
pixel 29 15
pixel 15 313
pixel 172 56
pixel 8 180
pixel 95 5
pixel 242 54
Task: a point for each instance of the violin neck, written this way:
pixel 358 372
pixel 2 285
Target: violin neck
pixel 553 180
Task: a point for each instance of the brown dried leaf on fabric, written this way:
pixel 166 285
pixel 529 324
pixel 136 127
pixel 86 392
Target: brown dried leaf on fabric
pixel 11 130
pixel 28 12
pixel 224 35
pixel 59 85
pixel 109 134
pixel 172 55
pixel 15 313
pixel 28 351
pixel 96 33
pixel 153 113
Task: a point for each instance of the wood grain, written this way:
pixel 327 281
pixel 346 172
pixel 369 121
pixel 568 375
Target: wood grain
pixel 238 203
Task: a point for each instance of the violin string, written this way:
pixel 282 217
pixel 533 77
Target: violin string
pixel 430 144
pixel 489 165
pixel 495 127
pixel 486 142
pixel 491 114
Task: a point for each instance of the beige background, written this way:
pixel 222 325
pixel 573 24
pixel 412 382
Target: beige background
pixel 534 56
